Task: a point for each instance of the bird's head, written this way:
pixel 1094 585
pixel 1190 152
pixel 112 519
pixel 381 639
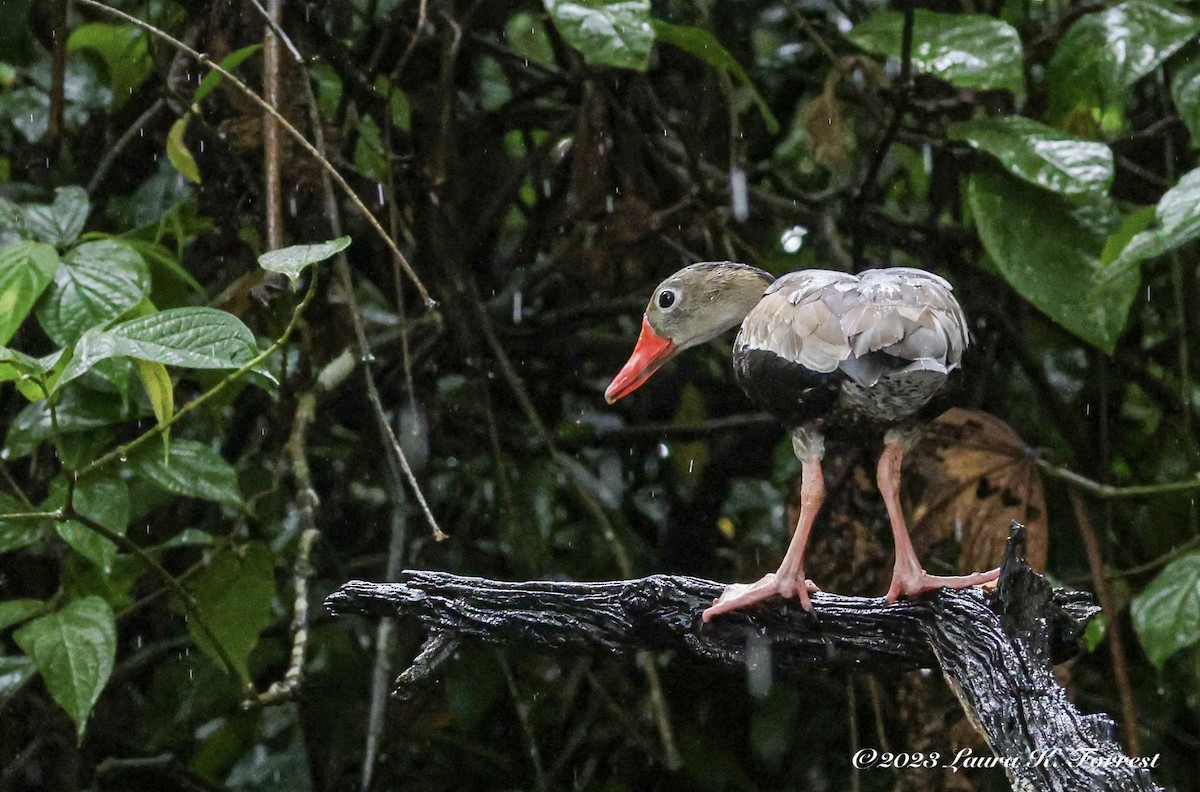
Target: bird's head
pixel 692 306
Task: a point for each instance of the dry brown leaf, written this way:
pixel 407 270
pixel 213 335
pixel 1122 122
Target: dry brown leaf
pixel 825 127
pixel 979 475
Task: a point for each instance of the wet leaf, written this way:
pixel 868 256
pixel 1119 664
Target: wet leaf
pixel 198 338
pixel 26 269
pixel 979 476
pixel 191 469
pixel 1166 614
pixel 100 281
pixel 1185 90
pixel 234 595
pixel 74 650
pixel 1102 54
pixel 124 51
pixel 61 222
pixel 291 261
pixel 606 32
pixel 1049 251
pixel 19 610
pixel 1041 155
pixel 1178 219
pixel 966 50
pixel 704 45
pixel 177 150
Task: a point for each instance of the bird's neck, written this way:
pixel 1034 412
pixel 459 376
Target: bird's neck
pixel 730 296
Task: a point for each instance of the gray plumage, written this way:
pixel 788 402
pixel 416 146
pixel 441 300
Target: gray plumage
pixel 895 334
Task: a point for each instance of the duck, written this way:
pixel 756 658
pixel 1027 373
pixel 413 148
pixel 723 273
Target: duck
pixel 833 356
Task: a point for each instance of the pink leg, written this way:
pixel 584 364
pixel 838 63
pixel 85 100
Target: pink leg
pixel 908 578
pixel 789 579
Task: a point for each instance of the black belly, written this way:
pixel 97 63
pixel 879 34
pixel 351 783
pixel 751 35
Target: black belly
pixel 796 396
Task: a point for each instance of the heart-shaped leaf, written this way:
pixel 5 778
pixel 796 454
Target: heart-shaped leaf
pixel 74 650
pixel 291 261
pixel 100 281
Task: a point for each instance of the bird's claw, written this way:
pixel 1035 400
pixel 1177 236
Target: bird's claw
pixel 912 584
pixel 739 595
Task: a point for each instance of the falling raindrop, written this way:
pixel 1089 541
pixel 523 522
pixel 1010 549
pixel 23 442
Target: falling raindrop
pixel 738 197
pixel 691 464
pixel 664 451
pixel 518 297
pixel 379 192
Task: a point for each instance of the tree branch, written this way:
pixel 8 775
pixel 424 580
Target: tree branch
pixel 994 650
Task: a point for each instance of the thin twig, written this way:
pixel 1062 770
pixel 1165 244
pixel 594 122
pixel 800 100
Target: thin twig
pixel 114 151
pixel 326 166
pixel 287 688
pixel 1091 546
pixel 1107 491
pixel 519 706
pixel 270 130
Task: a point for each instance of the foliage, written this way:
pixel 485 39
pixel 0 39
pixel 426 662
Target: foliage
pixel 177 421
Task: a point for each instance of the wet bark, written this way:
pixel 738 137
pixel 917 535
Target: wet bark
pixel 995 650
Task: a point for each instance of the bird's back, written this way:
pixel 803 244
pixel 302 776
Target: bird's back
pixel 847 350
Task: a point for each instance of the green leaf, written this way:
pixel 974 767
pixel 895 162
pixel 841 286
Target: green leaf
pixel 1040 154
pixel 101 497
pixel 291 261
pixel 124 50
pixel 15 534
pixel 963 49
pixel 1178 216
pixel 1103 54
pixel 19 610
pixel 1049 251
pixel 1166 614
pixel 160 392
pixel 80 410
pixel 89 544
pixel 191 469
pixel 12 223
pixel 59 223
pixel 200 338
pixel 16 365
pixel 177 150
pixel 704 45
pixel 100 281
pixel 74 650
pixel 26 269
pixel 1185 90
pixel 606 32
pixel 229 63
pixel 234 595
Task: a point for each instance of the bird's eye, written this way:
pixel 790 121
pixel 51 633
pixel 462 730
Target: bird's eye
pixel 666 298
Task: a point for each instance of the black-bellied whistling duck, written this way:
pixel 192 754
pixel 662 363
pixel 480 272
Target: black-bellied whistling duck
pixel 829 354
